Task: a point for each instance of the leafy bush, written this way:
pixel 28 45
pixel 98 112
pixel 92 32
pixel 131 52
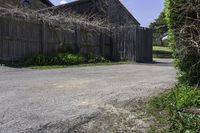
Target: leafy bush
pixel 185 122
pixel 184 30
pixel 185 96
pixel 174 104
pixel 61 59
pixel 95 59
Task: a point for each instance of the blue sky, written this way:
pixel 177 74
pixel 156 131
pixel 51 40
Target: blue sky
pixel 145 11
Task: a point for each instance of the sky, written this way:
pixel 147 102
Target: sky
pixel 145 11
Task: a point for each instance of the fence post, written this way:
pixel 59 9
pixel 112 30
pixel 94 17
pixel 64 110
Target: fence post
pixel 150 39
pixel 112 40
pixel 101 43
pixel 43 41
pixel 136 44
pixel 76 38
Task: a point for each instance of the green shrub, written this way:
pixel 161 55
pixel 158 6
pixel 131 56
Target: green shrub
pixel 95 59
pixel 184 30
pixel 174 104
pixel 35 60
pixel 185 122
pixel 61 59
pixel 185 96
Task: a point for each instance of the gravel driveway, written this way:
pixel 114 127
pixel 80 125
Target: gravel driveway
pixel 59 100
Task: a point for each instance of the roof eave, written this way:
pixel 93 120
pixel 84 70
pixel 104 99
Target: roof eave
pixel 47 2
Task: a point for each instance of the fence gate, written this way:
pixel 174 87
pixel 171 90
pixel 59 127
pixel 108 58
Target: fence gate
pixel 132 43
pixel 124 43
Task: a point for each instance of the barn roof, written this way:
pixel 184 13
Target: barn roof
pixel 74 3
pixel 37 4
pixel 79 2
pixel 47 2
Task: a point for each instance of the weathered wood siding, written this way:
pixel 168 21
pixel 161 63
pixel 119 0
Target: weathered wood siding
pixel 144 46
pixel 132 43
pixel 111 11
pixel 19 39
pixel 117 15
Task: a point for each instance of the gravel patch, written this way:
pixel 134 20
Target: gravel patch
pixel 80 99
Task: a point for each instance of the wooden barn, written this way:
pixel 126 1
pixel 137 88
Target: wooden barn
pixel 112 11
pixel 31 4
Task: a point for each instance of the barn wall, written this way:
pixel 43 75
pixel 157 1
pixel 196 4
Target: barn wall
pixel 108 10
pixel 85 8
pixel 117 15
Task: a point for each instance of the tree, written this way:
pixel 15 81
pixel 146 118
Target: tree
pixel 160 29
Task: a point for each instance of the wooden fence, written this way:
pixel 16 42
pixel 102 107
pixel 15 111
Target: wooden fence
pixel 132 43
pixel 19 39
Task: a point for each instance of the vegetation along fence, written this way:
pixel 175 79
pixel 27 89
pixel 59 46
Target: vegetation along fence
pixel 19 39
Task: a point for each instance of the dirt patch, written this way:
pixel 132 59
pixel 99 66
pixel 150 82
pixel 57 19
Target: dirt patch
pixel 127 116
pixel 63 126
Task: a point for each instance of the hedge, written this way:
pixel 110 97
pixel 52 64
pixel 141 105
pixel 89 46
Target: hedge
pixel 183 19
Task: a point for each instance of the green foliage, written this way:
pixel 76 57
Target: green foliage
pixel 185 123
pixel 162 102
pixel 171 106
pixel 182 17
pixel 162 52
pixel 60 59
pixel 185 96
pixel 160 30
pixel 95 59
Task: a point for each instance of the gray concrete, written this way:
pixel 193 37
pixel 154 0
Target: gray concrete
pixel 55 100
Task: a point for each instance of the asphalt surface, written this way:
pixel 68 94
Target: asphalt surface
pixel 59 99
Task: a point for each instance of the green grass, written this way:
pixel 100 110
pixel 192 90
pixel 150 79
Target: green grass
pixel 157 107
pixel 162 52
pixel 169 111
pixel 81 65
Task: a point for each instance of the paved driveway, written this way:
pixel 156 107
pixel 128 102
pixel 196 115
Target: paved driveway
pixel 54 100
